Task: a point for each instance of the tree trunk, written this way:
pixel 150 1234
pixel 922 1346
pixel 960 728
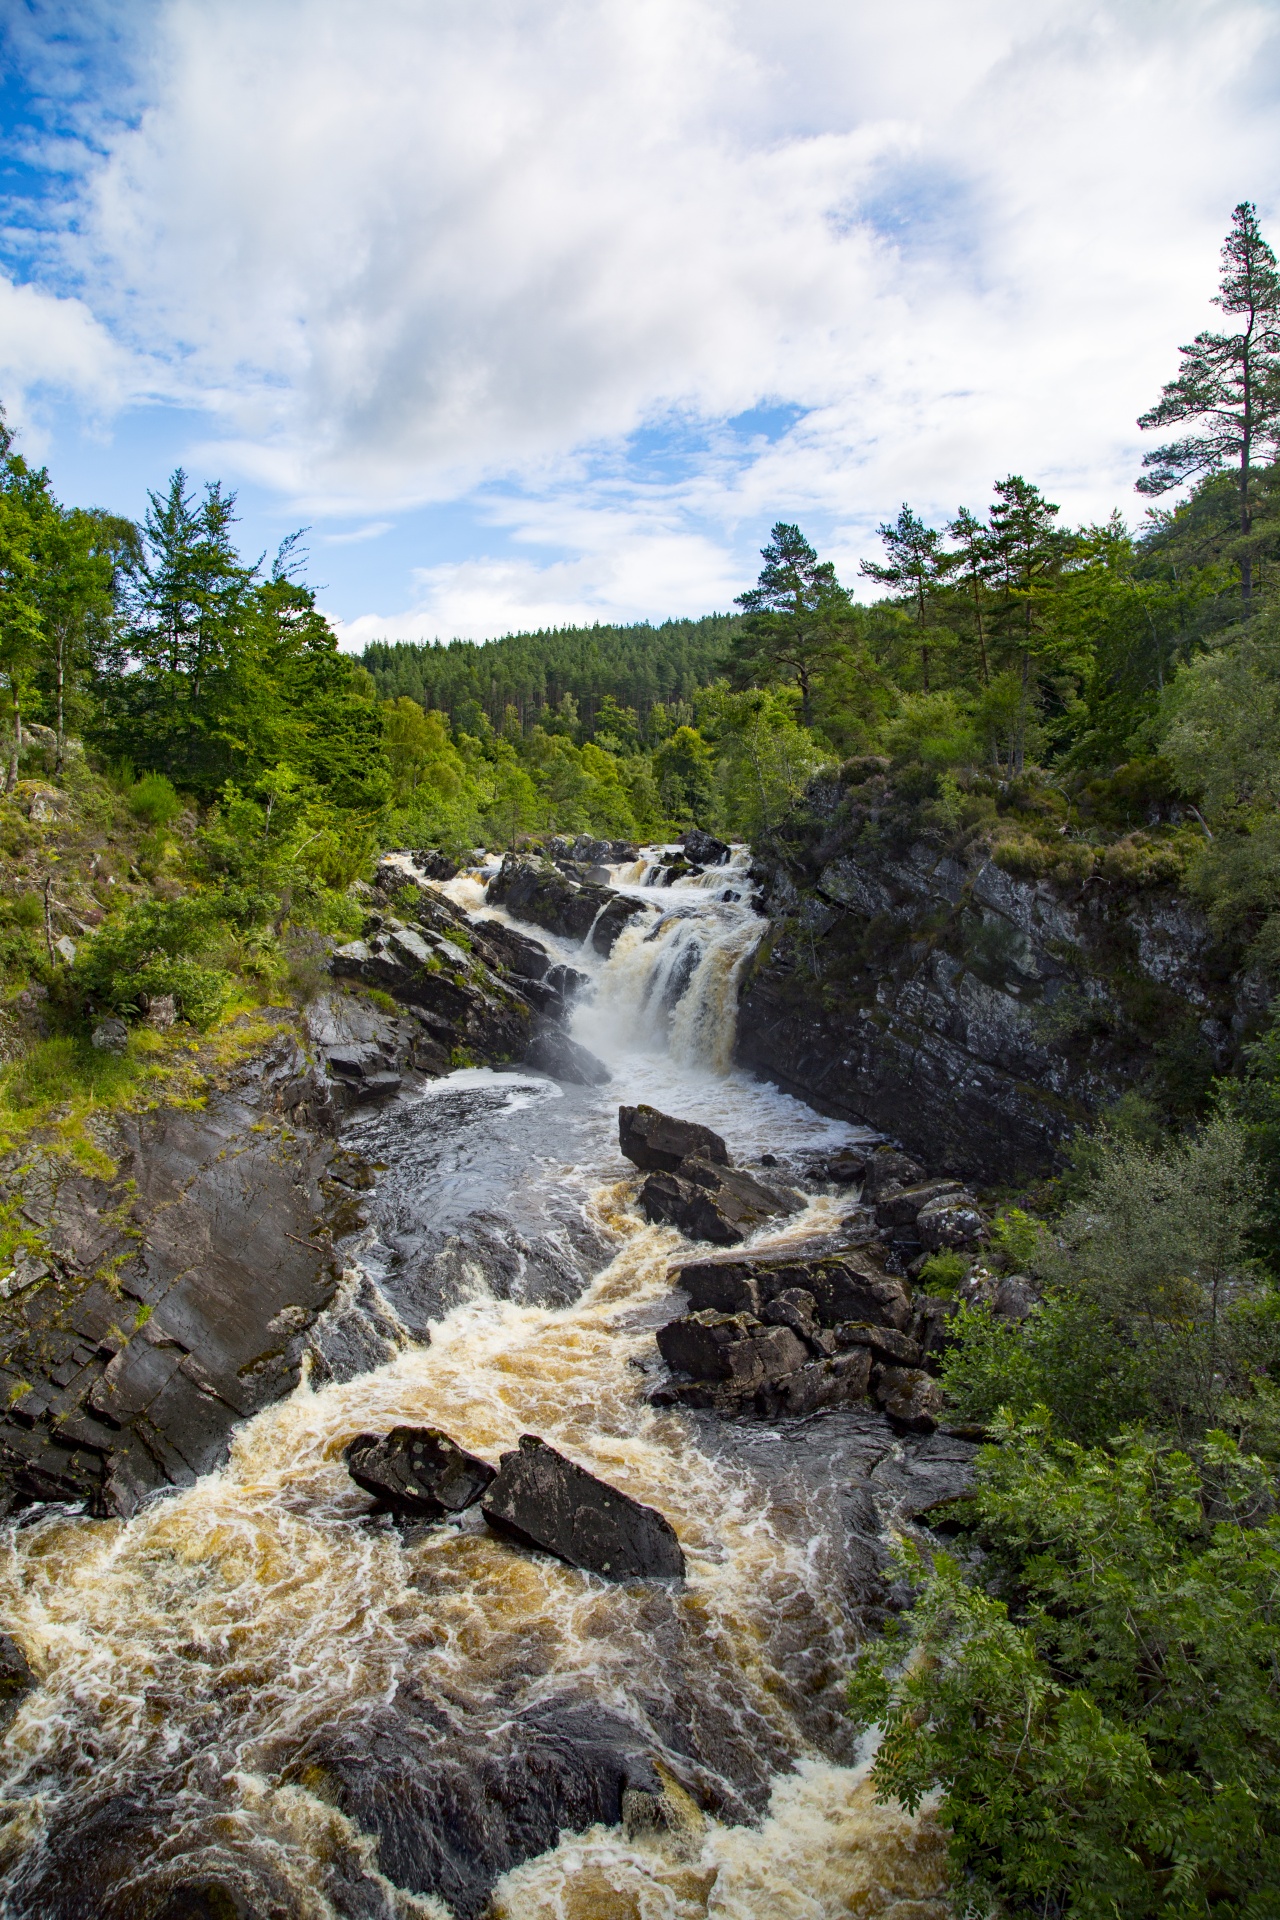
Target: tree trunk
pixel 62 736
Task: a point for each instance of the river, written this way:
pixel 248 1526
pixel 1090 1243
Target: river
pixel 238 1683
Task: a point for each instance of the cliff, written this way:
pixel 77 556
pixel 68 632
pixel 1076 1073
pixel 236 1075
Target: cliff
pixel 979 997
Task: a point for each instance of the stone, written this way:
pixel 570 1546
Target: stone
pixel 432 864
pixel 887 1168
pixel 704 849
pixel 1014 1297
pixel 954 1221
pixel 536 890
pixel 899 1207
pixel 609 922
pixel 794 1307
pixel 527 959
pixel 16 1678
pixel 706 1202
pixel 161 1012
pixel 837 1382
pixel 417 1470
pixel 657 1143
pixel 542 1500
pixel 848 1287
pixel 65 948
pixel 733 1347
pixel 885 1343
pixel 552 1051
pixel 724 1286
pixel 110 1036
pixel 912 1399
pixel 846 1168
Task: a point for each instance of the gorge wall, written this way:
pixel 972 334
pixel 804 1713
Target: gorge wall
pixel 911 981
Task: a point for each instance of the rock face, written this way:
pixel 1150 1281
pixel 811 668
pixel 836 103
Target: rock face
pixel 216 1232
pixel 912 982
pixel 543 1500
pixel 658 1143
pixel 708 1202
pixel 537 891
pixel 417 1470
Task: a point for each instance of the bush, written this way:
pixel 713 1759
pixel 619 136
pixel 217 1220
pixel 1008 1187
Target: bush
pixel 942 1273
pixel 154 800
pixel 1111 1752
pixel 154 949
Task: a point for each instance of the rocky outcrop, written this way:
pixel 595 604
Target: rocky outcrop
pixel 418 1471
pixel 16 1678
pixel 911 981
pixel 212 1251
pixel 537 891
pixel 702 849
pixel 542 1500
pixel 709 1202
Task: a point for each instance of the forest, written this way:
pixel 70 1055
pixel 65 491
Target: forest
pixel 1090 1680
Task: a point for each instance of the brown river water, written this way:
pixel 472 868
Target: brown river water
pixel 202 1664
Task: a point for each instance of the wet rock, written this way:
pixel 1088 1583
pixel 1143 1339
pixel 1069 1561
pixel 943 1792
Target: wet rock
pixel 542 1500
pixel 207 1900
pixel 730 1347
pixel 704 849
pixel 846 1168
pixel 110 1036
pixel 453 1806
pixel 536 890
pixel 722 1286
pixel 794 1307
pixel 884 1343
pixel 552 1051
pixel 417 1470
pixel 911 1398
pixel 953 1221
pixel 838 1382
pixel 657 1143
pixel 527 959
pixel 425 967
pixel 886 1168
pixel 362 1049
pixel 16 1678
pixel 720 1204
pixel 899 1207
pixel 432 864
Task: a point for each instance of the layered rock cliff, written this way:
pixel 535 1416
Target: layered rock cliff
pixel 912 978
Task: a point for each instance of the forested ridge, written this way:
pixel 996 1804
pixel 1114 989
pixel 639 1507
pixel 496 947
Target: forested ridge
pixel 197 779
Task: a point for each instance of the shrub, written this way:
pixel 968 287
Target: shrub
pixel 154 800
pixel 942 1273
pixel 1114 1750
pixel 154 949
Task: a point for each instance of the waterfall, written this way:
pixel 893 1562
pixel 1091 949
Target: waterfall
pixel 200 1662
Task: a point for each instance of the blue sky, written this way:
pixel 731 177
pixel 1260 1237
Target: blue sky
pixel 545 310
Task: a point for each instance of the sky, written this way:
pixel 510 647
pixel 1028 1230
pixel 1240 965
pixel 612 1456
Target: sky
pixel 538 312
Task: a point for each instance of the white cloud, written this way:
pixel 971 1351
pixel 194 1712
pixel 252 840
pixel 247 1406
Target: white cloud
pixel 53 344
pixel 403 249
pixel 373 531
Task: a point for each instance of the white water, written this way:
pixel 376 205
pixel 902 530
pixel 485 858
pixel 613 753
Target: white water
pixel 193 1653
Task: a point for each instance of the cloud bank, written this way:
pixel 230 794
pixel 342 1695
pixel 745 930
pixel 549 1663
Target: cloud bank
pixel 547 257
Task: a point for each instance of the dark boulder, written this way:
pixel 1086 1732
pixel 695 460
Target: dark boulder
pixel 704 849
pixel 715 1203
pixel 950 1222
pixel 722 1285
pixel 527 959
pixel 542 1500
pixel 537 891
pixel 424 967
pixel 897 1208
pixel 887 1168
pixel 657 1143
pixel 618 910
pixel 838 1382
pixel 417 1470
pixel 432 864
pixel 884 1343
pixel 552 1051
pixel 730 1347
pixel 796 1308
pixel 911 1398
pixel 846 1168
pixel 16 1678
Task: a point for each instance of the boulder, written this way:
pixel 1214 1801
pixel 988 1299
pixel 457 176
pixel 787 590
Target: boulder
pixel 795 1307
pixel 884 1343
pixel 432 864
pixel 888 1168
pixel 911 1398
pixel 716 1203
pixel 110 1036
pixel 657 1143
pixel 536 890
pixel 704 849
pixel 730 1346
pixel 849 1287
pixel 16 1677
pixel 952 1221
pixel 837 1382
pixel 898 1208
pixel 722 1285
pixel 527 959
pixel 846 1168
pixel 542 1500
pixel 552 1051
pixel 417 1470
pixel 425 967
pixel 611 919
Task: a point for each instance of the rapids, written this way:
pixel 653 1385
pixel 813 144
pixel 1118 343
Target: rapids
pixel 206 1666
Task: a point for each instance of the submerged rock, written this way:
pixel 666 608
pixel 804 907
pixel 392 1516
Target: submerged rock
pixel 542 1500
pixel 657 1143
pixel 417 1470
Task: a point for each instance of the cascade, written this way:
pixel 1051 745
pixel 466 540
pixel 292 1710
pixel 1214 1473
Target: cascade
pixel 216 1668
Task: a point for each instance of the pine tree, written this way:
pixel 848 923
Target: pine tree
pixel 1228 383
pixel 798 617
pixel 917 564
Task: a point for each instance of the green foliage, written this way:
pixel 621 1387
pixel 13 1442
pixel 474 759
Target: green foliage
pixel 156 948
pixel 64 1068
pixel 155 799
pixel 942 1273
pixel 1114 1748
